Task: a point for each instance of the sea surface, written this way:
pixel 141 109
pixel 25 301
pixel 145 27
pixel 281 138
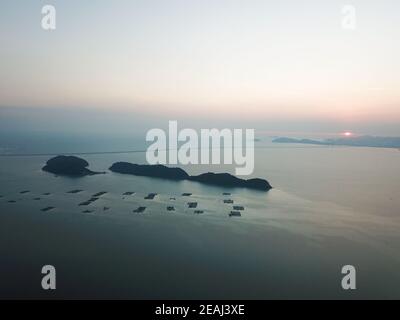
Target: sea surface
pixel 330 207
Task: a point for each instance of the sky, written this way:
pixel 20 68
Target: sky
pixel 276 65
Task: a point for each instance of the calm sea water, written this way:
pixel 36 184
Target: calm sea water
pixel 330 207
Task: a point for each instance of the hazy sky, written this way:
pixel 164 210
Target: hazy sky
pixel 247 60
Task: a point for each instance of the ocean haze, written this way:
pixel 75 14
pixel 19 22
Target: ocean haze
pixel 125 124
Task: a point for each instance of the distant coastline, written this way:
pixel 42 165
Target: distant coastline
pixel 359 141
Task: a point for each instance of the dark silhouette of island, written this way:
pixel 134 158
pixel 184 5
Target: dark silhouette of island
pixel 360 141
pixel 68 166
pixel 218 179
pixel 77 167
pixel 158 171
pixel 228 180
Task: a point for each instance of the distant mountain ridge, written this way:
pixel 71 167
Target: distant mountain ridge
pixel 360 141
